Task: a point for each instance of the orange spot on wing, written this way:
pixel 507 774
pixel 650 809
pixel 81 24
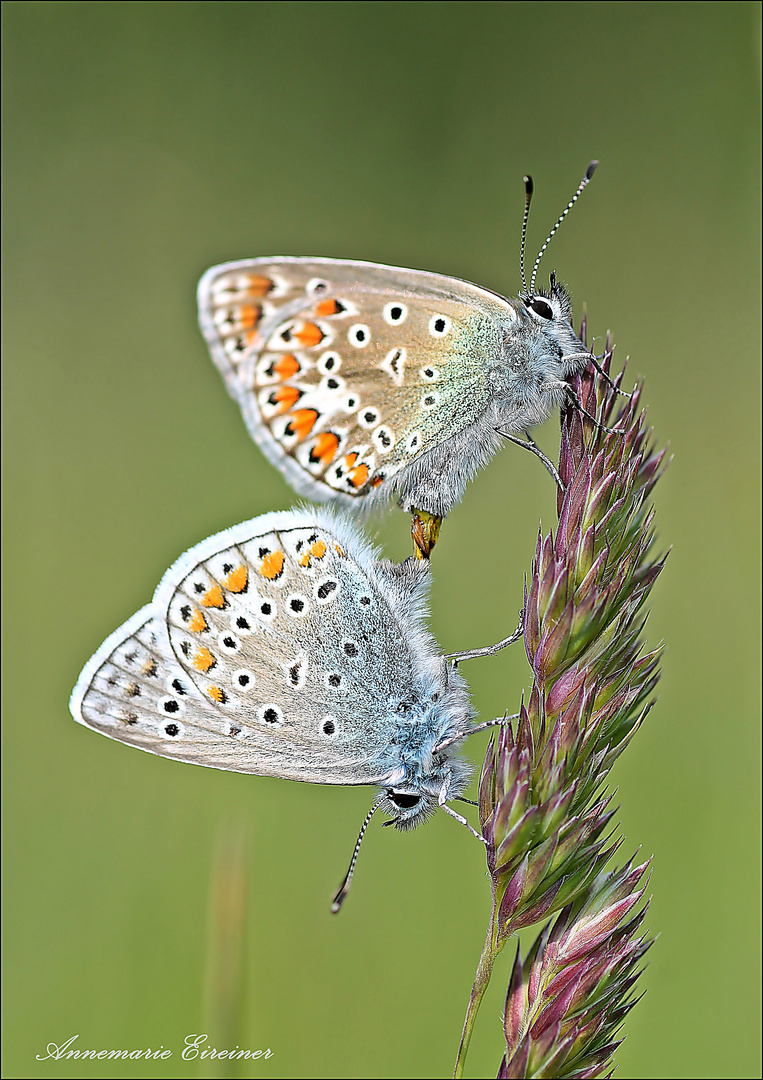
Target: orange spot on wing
pixel 328 307
pixel 249 315
pixel 358 475
pixel 302 422
pixel 198 623
pixel 286 366
pixel 285 397
pixel 326 446
pixel 259 285
pixel 272 565
pixel 309 335
pixel 350 459
pixel 216 694
pixel 316 551
pixel 340 551
pixel 213 597
pixel 149 668
pixel 204 660
pixel 376 481
pixel 236 580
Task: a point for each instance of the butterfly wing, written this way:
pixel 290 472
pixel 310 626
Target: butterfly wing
pixel 277 647
pixel 347 373
pixel 133 692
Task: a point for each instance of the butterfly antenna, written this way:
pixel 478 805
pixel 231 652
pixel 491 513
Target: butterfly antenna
pixel 528 199
pixel 583 183
pixel 344 888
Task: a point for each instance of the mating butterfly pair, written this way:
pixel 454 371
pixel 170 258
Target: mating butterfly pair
pixel 286 646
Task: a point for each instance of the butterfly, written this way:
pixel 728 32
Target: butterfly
pixel 364 383
pixel 285 646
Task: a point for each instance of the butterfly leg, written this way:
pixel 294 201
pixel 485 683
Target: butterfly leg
pixel 573 397
pixel 459 817
pixel 499 720
pixel 425 528
pixel 473 731
pixel 594 360
pixel 533 447
pixel 489 650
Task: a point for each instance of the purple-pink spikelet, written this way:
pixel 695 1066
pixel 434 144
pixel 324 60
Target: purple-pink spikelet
pixel 544 815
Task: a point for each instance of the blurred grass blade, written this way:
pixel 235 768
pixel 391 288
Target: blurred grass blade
pixel 224 990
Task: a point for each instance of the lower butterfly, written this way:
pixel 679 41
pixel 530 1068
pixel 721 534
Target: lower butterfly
pixel 286 647
pixel 363 382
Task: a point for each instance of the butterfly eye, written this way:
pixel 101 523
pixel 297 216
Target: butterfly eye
pixel 403 800
pixel 542 307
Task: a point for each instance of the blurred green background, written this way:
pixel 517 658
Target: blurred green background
pixel 146 141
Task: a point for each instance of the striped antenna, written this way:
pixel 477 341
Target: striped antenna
pixel 344 888
pixel 583 183
pixel 528 198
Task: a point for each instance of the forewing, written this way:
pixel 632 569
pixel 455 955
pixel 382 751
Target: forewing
pixel 133 692
pixel 346 372
pixel 267 649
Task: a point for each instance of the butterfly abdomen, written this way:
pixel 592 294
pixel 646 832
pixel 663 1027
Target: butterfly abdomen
pixel 436 481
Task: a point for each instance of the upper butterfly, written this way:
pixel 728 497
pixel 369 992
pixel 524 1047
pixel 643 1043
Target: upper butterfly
pixel 364 382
